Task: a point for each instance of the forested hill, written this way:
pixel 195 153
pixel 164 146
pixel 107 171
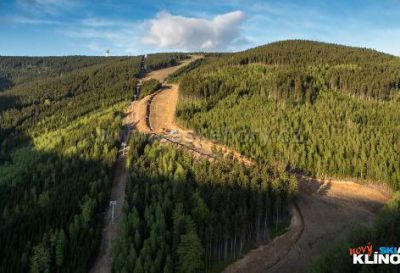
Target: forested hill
pixel 321 109
pixel 325 109
pixel 45 104
pixel 162 60
pixel 300 69
pixel 16 70
pixel 59 140
pixel 303 53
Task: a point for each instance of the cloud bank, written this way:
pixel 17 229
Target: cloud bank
pixel 168 31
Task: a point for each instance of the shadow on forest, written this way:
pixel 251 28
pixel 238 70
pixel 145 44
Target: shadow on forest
pixel 45 194
pixel 8 137
pixel 223 205
pixel 5 83
pixel 7 102
pixel 51 207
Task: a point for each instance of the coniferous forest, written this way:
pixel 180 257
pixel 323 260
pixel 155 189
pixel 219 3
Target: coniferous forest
pixel 294 107
pixel 17 70
pixel 149 87
pixel 59 139
pixel 188 215
pixel 321 109
pixel 303 104
pixel 162 60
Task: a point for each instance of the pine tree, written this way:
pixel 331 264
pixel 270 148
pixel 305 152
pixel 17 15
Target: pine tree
pixel 190 251
pixel 60 248
pixel 40 261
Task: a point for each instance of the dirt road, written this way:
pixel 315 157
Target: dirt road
pixel 325 209
pixel 162 74
pixel 328 209
pixel 160 109
pixel 103 262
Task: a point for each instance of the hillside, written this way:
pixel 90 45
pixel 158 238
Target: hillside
pixel 281 112
pixel 59 137
pixel 300 69
pixel 46 104
pixel 304 53
pixel 322 110
pixel 227 152
pixel 17 70
pixel 173 206
pixel 321 212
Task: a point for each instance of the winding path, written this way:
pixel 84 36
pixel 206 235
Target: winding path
pixel 323 212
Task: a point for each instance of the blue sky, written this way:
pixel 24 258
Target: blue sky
pixel 89 27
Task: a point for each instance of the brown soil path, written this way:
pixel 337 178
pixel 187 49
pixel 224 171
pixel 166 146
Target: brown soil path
pixel 162 74
pixel 103 262
pixel 328 209
pixel 323 212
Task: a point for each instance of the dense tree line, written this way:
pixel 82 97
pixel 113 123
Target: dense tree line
pixel 385 232
pixel 294 85
pixel 59 141
pixel 308 105
pixel 17 70
pixel 183 214
pixel 304 53
pixel 52 192
pixel 174 77
pixel 149 87
pixel 359 72
pixel 59 136
pixel 294 116
pixel 46 104
pixel 162 60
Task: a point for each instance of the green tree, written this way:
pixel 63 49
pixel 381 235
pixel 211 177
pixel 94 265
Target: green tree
pixel 40 261
pixel 190 251
pixel 60 248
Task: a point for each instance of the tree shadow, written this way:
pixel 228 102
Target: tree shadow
pixel 9 136
pixel 51 206
pixel 7 102
pixel 222 209
pixel 5 83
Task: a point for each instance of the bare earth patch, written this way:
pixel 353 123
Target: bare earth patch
pixel 162 74
pixel 328 209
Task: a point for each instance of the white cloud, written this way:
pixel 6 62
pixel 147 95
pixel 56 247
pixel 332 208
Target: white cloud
pixel 168 31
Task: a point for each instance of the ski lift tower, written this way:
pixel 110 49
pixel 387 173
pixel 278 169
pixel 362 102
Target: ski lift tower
pixel 144 64
pixel 113 204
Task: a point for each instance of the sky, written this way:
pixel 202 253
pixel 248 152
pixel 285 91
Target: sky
pixel 133 27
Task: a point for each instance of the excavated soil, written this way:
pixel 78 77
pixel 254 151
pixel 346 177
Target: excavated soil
pixel 162 74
